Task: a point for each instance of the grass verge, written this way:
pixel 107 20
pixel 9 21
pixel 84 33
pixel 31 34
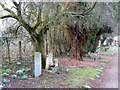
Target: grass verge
pixel 78 77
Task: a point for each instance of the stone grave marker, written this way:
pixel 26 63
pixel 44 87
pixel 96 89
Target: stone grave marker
pixel 47 63
pixel 56 62
pixel 38 64
pixel 49 60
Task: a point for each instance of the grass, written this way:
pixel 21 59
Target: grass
pixel 111 51
pixel 104 61
pixel 7 60
pixel 92 58
pixel 53 80
pixel 78 77
pixel 1 71
pixel 75 77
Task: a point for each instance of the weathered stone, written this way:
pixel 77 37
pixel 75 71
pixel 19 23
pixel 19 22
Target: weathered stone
pixel 38 64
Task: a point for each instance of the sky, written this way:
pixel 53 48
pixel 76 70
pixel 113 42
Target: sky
pixel 9 5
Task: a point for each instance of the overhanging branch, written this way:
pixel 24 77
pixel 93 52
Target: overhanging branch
pixel 6 9
pixel 86 12
pixel 15 3
pixel 8 16
pixel 12 14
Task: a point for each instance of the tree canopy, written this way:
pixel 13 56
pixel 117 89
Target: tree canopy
pixel 83 22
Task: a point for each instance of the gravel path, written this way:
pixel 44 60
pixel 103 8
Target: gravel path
pixel 110 77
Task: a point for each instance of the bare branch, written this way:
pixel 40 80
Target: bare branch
pixel 12 14
pixel 86 12
pixel 20 18
pixel 38 17
pixel 15 3
pixel 6 9
pixel 17 17
pixel 8 16
pixel 38 20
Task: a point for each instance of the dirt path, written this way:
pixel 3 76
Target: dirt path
pixel 109 79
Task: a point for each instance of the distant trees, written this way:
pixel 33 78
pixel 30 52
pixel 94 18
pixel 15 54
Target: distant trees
pixel 7 40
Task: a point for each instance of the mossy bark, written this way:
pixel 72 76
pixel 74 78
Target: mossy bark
pixel 96 43
pixel 39 47
pixel 8 49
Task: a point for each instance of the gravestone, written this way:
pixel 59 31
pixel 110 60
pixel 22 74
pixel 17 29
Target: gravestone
pixel 105 42
pixel 99 44
pixel 56 62
pixel 47 63
pixel 38 64
pixel 49 60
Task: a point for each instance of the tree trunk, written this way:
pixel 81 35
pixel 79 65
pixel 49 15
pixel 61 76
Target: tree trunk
pixel 96 43
pixel 76 43
pixel 20 51
pixel 39 47
pixel 80 50
pixel 8 48
pixel 74 46
pixel 103 40
pixel 77 49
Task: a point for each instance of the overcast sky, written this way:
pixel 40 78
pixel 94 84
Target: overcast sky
pixel 9 4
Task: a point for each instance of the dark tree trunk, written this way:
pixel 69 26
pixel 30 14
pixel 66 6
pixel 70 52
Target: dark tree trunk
pixel 20 50
pixel 96 43
pixel 73 45
pixel 39 47
pixel 76 43
pixel 8 48
pixel 80 50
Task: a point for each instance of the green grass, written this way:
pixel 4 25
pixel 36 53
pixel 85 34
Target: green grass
pixel 78 77
pixel 7 60
pixel 104 61
pixel 111 51
pixel 5 71
pixel 51 79
pixel 0 71
pixel 75 77
pixel 91 58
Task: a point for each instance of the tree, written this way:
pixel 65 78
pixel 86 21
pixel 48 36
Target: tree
pixel 34 13
pixel 85 23
pixel 7 41
pixel 79 28
pixel 82 21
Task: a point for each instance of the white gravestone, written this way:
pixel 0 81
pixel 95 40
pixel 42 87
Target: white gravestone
pixel 49 60
pixel 38 64
pixel 56 62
